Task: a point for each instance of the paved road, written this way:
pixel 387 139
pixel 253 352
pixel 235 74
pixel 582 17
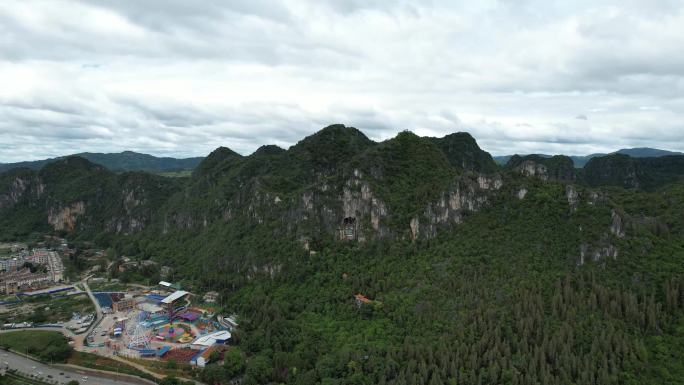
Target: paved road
pixel 98 310
pixel 26 366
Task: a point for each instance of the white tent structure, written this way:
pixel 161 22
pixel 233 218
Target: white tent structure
pixel 212 339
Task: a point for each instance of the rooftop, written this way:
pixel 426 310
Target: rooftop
pixel 362 298
pixel 175 296
pixel 211 339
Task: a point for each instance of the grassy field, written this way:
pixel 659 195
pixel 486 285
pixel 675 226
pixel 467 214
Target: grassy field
pixel 164 367
pixel 11 297
pixel 107 286
pixel 47 309
pixel 93 361
pixel 47 346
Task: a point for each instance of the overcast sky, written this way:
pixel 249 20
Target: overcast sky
pixel 169 77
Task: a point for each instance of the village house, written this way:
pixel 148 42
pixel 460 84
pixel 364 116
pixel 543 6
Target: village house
pixel 124 305
pixel 22 280
pixel 361 300
pixel 211 297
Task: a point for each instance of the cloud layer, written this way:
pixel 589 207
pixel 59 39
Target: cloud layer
pixel 169 77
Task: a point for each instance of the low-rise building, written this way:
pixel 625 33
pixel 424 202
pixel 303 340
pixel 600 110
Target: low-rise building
pixel 40 256
pixel 229 322
pixel 55 266
pixel 124 305
pixel 205 357
pixel 22 280
pixel 211 297
pixel 361 300
pixel 165 272
pixel 220 338
pixel 170 302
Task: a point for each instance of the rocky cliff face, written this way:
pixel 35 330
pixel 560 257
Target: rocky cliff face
pixel 64 218
pixel 17 186
pixel 347 187
pixel 572 196
pixel 465 196
pixel 558 168
pixel 597 253
pixel 76 195
pixel 336 184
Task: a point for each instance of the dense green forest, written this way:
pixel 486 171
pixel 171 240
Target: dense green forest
pixel 501 299
pixel 475 273
pixel 120 162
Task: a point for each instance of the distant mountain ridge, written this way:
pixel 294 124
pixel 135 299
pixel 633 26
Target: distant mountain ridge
pixel 580 161
pixel 536 272
pixel 117 162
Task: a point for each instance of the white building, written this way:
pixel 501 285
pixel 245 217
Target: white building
pixel 212 339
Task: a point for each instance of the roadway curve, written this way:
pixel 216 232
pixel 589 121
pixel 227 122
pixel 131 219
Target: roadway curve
pixel 28 366
pixel 98 309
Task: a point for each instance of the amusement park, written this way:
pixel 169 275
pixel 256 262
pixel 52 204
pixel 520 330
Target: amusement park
pixel 161 324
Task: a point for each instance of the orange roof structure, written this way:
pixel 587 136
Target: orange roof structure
pixel 362 298
pixel 205 354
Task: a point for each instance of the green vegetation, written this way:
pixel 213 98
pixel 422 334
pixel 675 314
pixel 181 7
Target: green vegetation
pixel 414 171
pixel 176 174
pixel 233 366
pixel 625 171
pixel 47 346
pixel 123 161
pixel 108 286
pixel 13 377
pixel 171 380
pixel 463 153
pixel 175 369
pixel 94 361
pixel 47 309
pixel 559 167
pixel 500 298
pixel 74 182
pixel 146 274
pixel 564 284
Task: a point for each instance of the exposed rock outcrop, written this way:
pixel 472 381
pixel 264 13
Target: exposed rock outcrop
pixel 572 196
pixel 20 184
pixel 64 218
pixel 596 253
pixel 616 227
pixel 532 169
pixel 559 167
pixel 522 192
pixel 464 197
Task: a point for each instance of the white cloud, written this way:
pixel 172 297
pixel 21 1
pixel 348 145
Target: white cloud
pixel 174 78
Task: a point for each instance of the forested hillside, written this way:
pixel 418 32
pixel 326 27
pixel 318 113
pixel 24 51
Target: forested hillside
pixel 581 160
pixel 120 162
pixel 533 273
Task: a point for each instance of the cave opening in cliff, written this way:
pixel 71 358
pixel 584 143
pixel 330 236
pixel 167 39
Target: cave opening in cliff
pixel 349 227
